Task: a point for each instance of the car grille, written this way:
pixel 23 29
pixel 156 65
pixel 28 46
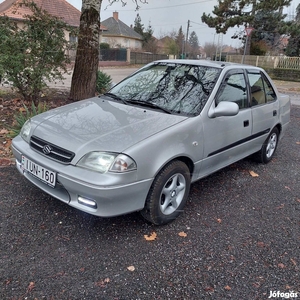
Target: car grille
pixel 51 151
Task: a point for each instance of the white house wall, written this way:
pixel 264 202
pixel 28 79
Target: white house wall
pixel 121 42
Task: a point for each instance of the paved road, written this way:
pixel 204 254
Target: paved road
pixel 237 239
pixel 117 74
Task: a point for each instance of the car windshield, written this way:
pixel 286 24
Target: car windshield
pixel 174 88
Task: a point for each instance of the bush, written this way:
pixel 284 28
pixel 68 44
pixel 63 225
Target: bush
pixel 104 46
pixel 35 53
pixel 24 115
pixel 103 82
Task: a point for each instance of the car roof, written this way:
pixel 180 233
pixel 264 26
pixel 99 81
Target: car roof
pixel 208 63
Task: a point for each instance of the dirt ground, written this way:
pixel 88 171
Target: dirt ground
pixel 10 105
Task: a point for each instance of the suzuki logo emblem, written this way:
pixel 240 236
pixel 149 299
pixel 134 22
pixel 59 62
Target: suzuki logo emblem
pixel 47 149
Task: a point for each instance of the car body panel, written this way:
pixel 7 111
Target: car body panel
pixel 98 124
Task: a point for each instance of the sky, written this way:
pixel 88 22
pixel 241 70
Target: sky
pixel 166 16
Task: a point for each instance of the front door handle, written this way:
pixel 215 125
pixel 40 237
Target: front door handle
pixel 246 123
pixel 274 113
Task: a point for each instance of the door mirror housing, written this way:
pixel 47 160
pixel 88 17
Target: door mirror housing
pixel 224 109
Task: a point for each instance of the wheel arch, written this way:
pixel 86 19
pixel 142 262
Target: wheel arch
pixel 186 160
pixel 279 127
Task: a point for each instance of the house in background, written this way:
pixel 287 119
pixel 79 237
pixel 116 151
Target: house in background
pixel 58 8
pixel 119 35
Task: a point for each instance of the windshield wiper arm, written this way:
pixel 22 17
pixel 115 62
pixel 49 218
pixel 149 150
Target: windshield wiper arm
pixel 149 104
pixel 115 97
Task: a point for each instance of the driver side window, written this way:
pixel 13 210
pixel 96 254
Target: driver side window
pixel 234 89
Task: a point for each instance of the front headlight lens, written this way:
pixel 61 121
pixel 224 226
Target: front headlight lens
pixel 25 131
pixel 103 162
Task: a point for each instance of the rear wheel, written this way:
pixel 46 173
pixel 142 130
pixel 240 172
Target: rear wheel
pixel 168 194
pixel 268 149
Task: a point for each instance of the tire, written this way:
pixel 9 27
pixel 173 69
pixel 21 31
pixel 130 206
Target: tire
pixel 168 194
pixel 268 148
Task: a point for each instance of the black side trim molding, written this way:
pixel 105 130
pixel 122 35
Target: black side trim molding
pixel 247 139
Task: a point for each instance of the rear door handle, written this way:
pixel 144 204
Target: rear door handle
pixel 274 113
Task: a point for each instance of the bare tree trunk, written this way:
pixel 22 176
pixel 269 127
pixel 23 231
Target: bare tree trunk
pixel 87 57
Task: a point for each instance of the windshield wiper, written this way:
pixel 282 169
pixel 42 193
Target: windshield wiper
pixel 116 97
pixel 149 104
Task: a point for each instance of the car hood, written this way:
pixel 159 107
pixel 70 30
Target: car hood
pixel 98 124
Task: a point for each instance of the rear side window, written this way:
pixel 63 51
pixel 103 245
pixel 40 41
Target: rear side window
pixel 234 89
pixel 262 91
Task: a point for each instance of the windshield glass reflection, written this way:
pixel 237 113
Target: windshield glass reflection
pixel 177 88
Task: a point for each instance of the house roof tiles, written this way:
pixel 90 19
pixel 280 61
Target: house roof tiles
pixel 116 27
pixel 59 8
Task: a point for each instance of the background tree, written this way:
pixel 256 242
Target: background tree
pixel 150 42
pixel 267 34
pixel 180 38
pixel 210 50
pixel 138 26
pixel 172 47
pixel 293 30
pixel 194 45
pixel 147 34
pixel 231 13
pixel 34 53
pixel 83 83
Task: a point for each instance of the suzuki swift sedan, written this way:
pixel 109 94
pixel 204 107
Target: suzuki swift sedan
pixel 141 145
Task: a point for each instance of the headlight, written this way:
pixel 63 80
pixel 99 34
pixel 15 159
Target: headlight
pixel 25 131
pixel 103 162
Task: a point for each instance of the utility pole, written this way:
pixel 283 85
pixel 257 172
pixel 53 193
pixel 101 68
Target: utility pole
pixel 248 31
pixel 186 38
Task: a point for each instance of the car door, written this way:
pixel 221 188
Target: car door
pixel 226 137
pixel 264 105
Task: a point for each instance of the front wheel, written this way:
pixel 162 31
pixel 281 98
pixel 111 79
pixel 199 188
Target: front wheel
pixel 168 194
pixel 268 148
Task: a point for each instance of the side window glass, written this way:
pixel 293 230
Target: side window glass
pixel 270 93
pixel 258 95
pixel 234 90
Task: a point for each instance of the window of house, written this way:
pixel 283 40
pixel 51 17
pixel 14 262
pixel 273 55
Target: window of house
pixel 234 89
pixel 73 39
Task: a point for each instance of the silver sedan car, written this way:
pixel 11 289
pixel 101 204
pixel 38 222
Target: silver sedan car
pixel 141 145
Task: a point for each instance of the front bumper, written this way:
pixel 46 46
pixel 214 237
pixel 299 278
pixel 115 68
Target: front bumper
pixel 112 197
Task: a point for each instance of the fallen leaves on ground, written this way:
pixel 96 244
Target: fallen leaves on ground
pixel 31 286
pixel 281 265
pixel 150 237
pixel 182 234
pixel 102 283
pixel 253 174
pixel 4 131
pixel 261 244
pixel 209 289
pixel 294 262
pixel 10 104
pixel 131 268
pixel 280 206
pixel 6 162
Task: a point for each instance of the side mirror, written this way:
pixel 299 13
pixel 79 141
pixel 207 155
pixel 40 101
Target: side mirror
pixel 224 109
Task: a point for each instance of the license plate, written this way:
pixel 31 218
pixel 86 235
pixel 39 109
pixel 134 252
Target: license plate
pixel 45 175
